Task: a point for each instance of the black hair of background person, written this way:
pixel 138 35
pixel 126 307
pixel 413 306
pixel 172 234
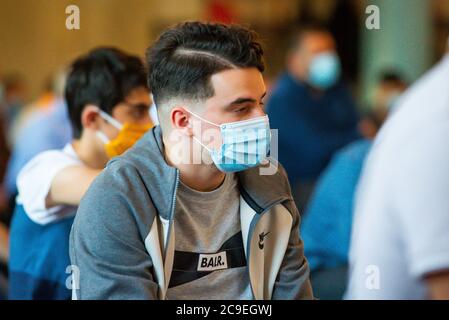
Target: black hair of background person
pixel 393 76
pixel 173 70
pixel 103 77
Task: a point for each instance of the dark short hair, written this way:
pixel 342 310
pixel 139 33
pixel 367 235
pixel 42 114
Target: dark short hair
pixel 181 62
pixel 104 77
pixel 300 31
pixel 392 76
pixel 375 117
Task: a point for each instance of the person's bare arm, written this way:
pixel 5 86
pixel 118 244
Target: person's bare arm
pixel 69 185
pixel 4 243
pixel 438 285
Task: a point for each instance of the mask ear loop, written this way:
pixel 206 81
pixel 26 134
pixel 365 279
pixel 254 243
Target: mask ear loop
pixel 115 123
pixel 102 137
pixel 207 121
pixel 204 146
pixel 202 119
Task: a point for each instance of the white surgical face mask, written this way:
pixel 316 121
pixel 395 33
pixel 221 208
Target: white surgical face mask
pixel 245 143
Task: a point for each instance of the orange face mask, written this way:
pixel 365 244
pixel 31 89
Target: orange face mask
pixel 128 135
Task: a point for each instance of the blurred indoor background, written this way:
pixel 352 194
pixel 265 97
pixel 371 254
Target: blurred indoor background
pixel 36 48
pixel 35 44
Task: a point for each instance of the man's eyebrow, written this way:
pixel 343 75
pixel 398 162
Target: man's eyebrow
pixel 138 105
pixel 245 100
pixel 242 100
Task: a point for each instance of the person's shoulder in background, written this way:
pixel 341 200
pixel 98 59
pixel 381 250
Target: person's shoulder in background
pixel 402 202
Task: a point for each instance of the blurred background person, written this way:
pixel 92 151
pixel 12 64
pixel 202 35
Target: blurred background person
pixel 45 126
pixel 4 233
pixel 400 239
pixel 312 108
pixel 47 98
pixel 108 105
pixel 39 126
pixel 391 86
pixel 13 103
pixel 4 158
pixel 328 218
pixel 4 253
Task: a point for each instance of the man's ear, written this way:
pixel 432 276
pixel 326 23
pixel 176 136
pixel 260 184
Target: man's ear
pixel 90 118
pixel 181 120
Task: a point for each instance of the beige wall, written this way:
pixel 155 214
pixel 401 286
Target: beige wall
pixel 35 42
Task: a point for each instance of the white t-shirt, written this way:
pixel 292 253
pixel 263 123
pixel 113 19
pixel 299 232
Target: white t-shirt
pixel 401 221
pixel 153 114
pixel 34 182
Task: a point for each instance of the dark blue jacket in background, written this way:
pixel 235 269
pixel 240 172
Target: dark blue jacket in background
pixel 311 126
pixel 39 257
pixel 327 224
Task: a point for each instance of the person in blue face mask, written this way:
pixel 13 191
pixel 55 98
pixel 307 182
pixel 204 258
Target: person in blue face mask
pixel 312 108
pixel 193 211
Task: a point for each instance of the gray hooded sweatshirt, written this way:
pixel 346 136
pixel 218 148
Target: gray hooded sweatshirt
pixel 122 239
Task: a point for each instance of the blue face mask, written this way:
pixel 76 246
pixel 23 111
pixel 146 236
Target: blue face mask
pixel 324 71
pixel 245 144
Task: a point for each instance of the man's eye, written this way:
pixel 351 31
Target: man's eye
pixel 241 109
pixel 140 111
pixel 134 112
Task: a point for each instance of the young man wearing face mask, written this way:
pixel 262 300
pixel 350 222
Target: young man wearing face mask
pixel 312 107
pixel 188 213
pixel 108 102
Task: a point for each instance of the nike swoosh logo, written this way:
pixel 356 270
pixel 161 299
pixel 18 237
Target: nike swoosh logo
pixel 261 239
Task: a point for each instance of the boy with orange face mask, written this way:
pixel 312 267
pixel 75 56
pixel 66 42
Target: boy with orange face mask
pixel 108 103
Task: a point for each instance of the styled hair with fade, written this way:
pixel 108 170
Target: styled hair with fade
pixel 181 62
